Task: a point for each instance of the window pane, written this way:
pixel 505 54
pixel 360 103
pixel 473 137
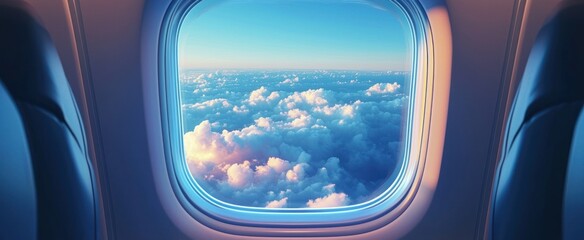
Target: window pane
pixel 294 104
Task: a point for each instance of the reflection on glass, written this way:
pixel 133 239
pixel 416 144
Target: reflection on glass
pixel 294 104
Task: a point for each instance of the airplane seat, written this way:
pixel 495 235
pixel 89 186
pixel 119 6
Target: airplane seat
pixel 528 195
pixel 17 191
pixel 31 70
pixel 574 193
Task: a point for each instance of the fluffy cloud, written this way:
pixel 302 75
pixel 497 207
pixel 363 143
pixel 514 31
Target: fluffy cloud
pixel 290 81
pixel 220 102
pixel 380 88
pixel 331 200
pixel 260 96
pixel 202 146
pixel 283 145
pixel 297 173
pixel 277 203
pixel 315 97
pixel 279 165
pixel 240 175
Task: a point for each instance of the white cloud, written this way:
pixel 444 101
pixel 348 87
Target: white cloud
pixel 313 147
pixel 264 122
pixel 240 175
pixel 273 96
pixel 331 200
pixel 302 121
pixel 312 97
pixel 279 165
pixel 203 145
pixel 240 109
pixel 296 173
pixel 259 96
pixel 221 102
pixel 277 203
pixel 290 81
pixel 296 113
pixel 380 88
pixel 339 111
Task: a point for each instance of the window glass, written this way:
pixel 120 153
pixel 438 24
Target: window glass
pixel 294 104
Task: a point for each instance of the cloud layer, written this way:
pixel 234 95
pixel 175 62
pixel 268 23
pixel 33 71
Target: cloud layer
pixel 292 139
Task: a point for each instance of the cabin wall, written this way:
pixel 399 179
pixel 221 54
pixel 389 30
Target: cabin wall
pixel 101 47
pixel 491 42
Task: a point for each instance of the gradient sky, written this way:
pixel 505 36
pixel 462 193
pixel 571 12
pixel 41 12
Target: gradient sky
pixel 295 34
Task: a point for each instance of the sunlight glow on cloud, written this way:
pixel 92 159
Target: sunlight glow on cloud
pixel 331 200
pixel 315 147
pixel 240 175
pixel 294 138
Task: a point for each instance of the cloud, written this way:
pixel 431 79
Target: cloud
pixel 279 165
pixel 221 102
pixel 289 81
pixel 203 145
pixel 292 146
pixel 313 97
pixel 260 96
pixel 240 175
pixel 380 88
pixel 329 188
pixel 296 173
pixel 264 122
pixel 240 109
pixel 277 203
pixel 331 200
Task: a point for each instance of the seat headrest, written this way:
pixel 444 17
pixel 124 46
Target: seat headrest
pixel 31 69
pixel 555 70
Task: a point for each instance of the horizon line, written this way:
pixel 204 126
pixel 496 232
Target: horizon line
pixel 285 69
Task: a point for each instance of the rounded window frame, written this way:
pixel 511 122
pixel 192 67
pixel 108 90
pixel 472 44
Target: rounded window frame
pixel 253 221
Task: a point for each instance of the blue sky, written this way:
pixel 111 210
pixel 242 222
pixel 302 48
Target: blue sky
pixel 295 34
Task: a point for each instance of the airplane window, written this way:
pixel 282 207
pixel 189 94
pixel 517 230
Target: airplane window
pixel 295 104
pixel 297 118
